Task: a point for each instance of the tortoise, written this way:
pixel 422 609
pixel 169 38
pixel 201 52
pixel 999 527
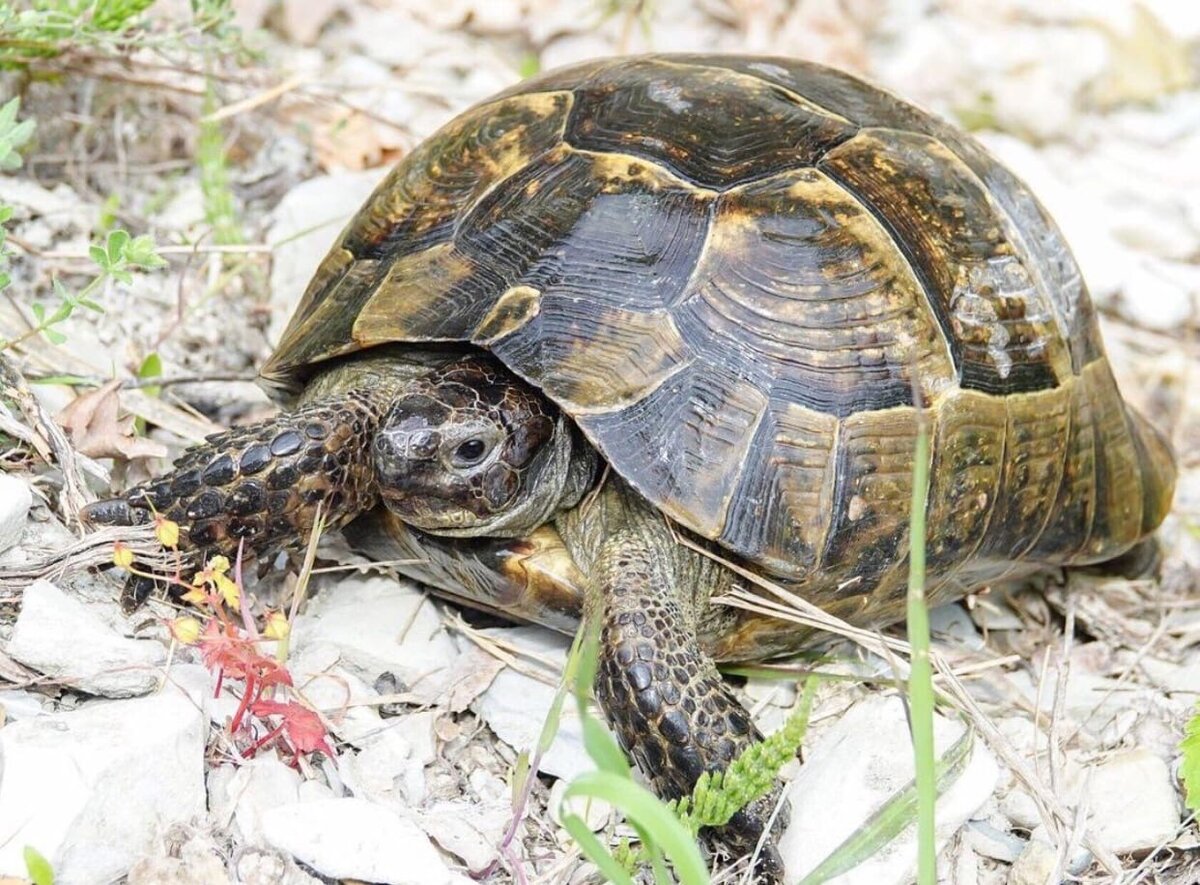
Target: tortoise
pixel 647 299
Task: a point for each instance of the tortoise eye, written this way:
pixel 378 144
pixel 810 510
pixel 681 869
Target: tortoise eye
pixel 470 452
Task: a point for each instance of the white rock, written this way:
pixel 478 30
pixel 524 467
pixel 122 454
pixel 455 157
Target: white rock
pixel 857 765
pixel 197 861
pixel 15 501
pixel 469 830
pixel 93 789
pixel 357 839
pixel 1132 802
pixel 378 624
pixel 303 227
pixel 1036 866
pixel 516 705
pixel 57 635
pixel 953 623
pixel 243 794
pixel 259 867
pixel 16 704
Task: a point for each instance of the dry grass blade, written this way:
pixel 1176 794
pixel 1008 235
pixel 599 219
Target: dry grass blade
pixel 74 495
pixel 90 551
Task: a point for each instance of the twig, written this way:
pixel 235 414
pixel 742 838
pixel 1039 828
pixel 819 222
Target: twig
pixel 74 494
pixel 254 101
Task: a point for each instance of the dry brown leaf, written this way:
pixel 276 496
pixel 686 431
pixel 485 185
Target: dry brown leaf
pixel 347 140
pixel 96 429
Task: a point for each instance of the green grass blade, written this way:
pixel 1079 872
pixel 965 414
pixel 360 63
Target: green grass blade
pixel 595 850
pixel 653 820
pixel 892 818
pixel 920 677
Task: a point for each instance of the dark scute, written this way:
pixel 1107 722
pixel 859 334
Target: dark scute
pixel 185 484
pixel 316 430
pixel 712 127
pixel 283 477
pixel 243 527
pixel 247 498
pixel 220 471
pixel 205 534
pixel 287 443
pixel 277 501
pixel 206 505
pixel 254 459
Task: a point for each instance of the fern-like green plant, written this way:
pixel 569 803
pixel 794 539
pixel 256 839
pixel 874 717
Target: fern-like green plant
pixel 719 795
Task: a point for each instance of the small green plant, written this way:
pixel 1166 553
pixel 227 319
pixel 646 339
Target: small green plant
pixel 47 30
pixel 116 258
pixel 718 796
pixel 39 869
pixel 1189 769
pixel 220 209
pixel 13 134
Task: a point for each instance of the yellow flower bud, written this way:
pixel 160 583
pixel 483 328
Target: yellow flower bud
pixel 186 630
pixel 122 555
pixel 167 532
pixel 277 626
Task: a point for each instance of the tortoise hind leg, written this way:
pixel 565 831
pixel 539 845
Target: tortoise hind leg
pixel 261 486
pixel 661 692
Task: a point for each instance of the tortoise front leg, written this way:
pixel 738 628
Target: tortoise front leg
pixel 662 694
pixel 261 486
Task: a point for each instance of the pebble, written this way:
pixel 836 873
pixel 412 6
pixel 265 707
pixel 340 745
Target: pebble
pixel 378 624
pixel 1132 802
pixel 471 831
pixel 1037 865
pixel 241 795
pixel 94 789
pixel 355 839
pixel 60 637
pixel 853 768
pixel 15 501
pixel 261 867
pixel 516 705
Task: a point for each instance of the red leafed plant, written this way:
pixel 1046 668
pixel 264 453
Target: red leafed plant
pixel 232 647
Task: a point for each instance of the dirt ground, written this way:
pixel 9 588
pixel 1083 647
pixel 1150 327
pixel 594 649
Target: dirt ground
pixel 243 154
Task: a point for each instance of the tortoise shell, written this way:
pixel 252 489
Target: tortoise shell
pixel 735 274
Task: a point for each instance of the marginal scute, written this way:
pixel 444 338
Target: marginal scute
pixel 1117 523
pixel 968 457
pixel 1037 427
pixel 869 523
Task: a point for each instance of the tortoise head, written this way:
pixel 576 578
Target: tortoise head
pixel 471 450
